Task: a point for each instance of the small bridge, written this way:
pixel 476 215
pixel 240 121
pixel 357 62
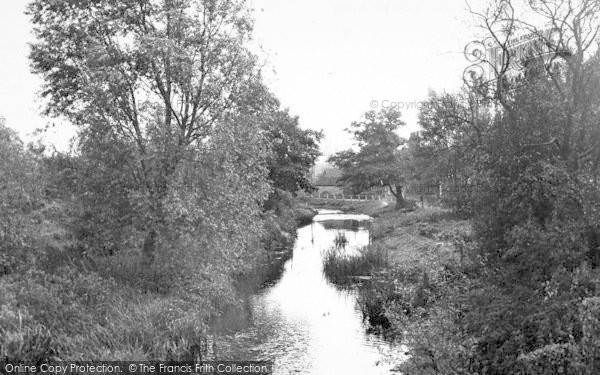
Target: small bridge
pixel 346 197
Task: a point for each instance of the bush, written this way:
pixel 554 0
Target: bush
pixel 21 189
pixel 530 228
pixel 554 359
pixel 426 230
pixel 101 298
pixel 590 317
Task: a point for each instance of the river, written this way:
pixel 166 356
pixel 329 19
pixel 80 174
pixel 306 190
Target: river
pixel 305 324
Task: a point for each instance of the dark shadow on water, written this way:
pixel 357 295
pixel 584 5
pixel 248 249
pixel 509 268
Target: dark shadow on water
pixel 237 317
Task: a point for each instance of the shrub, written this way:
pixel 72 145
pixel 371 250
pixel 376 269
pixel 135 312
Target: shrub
pixel 553 359
pixel 590 317
pixel 61 303
pixel 427 230
pixel 21 188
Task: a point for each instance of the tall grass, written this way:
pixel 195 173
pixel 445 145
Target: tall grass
pixel 76 315
pixel 340 240
pixel 342 268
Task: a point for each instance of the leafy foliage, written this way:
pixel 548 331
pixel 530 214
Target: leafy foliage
pixel 147 83
pixel 293 152
pixel 379 160
pixel 522 148
pixel 21 192
pixel 163 192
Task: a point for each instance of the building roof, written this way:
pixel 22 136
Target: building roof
pixel 326 181
pixel 328 177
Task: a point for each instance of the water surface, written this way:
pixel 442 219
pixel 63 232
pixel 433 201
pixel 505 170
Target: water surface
pixel 305 324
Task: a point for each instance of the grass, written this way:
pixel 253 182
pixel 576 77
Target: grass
pixel 342 269
pixel 61 304
pixel 76 315
pixel 340 240
pixel 424 263
pixel 362 207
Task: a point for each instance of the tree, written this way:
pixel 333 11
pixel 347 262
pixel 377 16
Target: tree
pixel 453 130
pixel 526 143
pixel 422 162
pixel 153 76
pixel 293 152
pixel 379 159
pixel 566 51
pixel 535 206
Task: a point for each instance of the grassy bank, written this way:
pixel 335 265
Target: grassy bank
pixel 438 297
pixel 59 303
pixel 407 296
pixel 346 206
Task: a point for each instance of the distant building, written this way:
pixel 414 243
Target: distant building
pixel 327 184
pixel 327 177
pixel 326 181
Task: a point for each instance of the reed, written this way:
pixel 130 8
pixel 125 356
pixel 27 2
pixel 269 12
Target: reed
pixel 342 268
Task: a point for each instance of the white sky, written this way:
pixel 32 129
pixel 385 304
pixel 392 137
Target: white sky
pixel 333 57
pixel 327 60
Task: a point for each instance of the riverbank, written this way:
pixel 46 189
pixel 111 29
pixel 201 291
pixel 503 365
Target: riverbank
pixel 415 293
pixel 406 297
pixel 281 224
pixel 425 238
pixel 347 206
pixel 58 302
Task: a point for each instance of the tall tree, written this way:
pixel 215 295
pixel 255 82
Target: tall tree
pixel 379 159
pixel 292 150
pixel 566 50
pixel 155 75
pixel 454 127
pixel 535 209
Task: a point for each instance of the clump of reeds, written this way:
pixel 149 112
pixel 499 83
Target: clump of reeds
pixel 342 268
pixel 340 240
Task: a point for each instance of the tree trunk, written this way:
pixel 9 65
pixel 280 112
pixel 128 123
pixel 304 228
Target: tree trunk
pixel 400 202
pixel 149 246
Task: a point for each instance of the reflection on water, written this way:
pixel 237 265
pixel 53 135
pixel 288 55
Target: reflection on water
pixel 305 324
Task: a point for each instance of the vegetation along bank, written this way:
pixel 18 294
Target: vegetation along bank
pixel 176 190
